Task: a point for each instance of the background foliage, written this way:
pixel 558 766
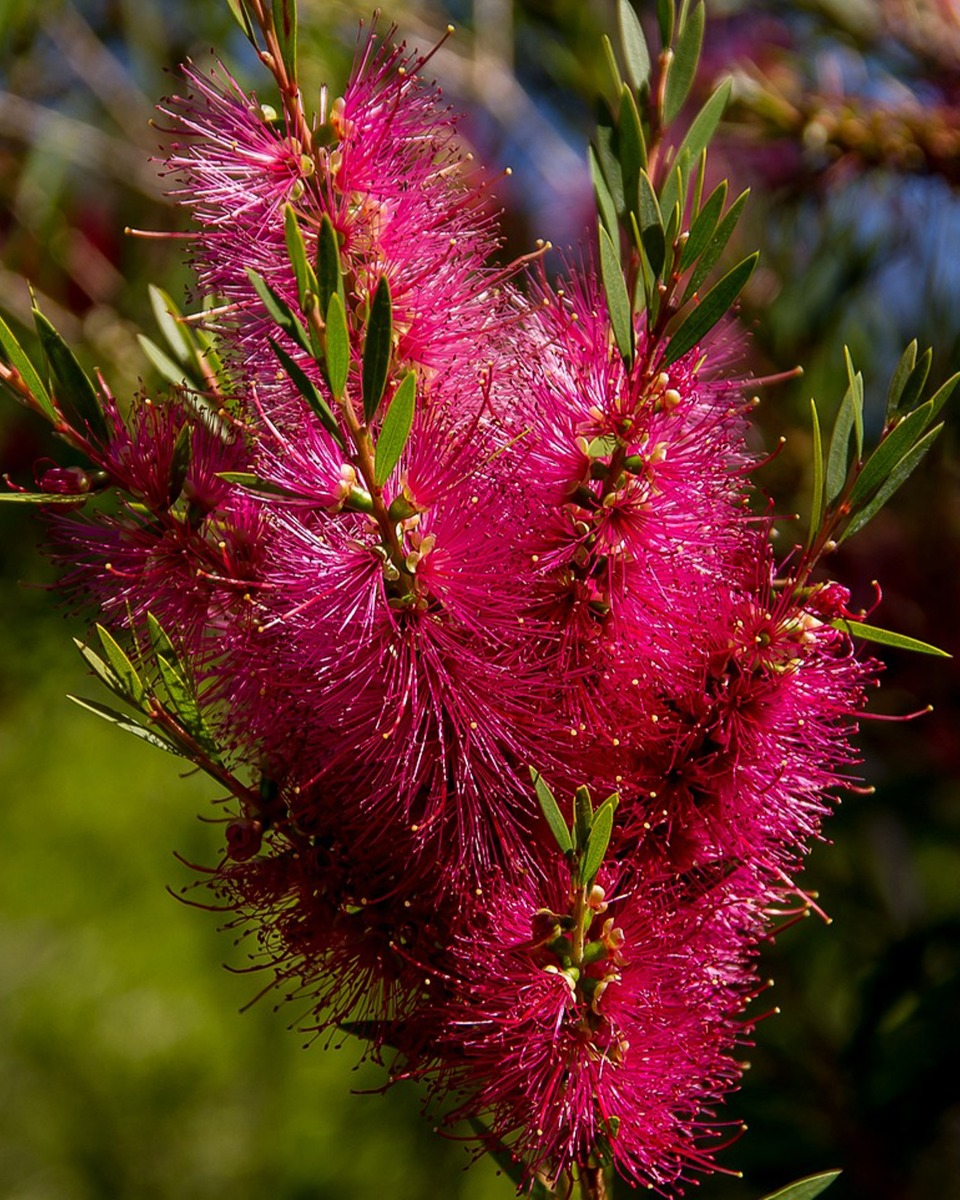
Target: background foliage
pixel 124 1068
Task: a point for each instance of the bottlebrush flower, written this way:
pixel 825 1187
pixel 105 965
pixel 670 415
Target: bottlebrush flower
pixel 617 1049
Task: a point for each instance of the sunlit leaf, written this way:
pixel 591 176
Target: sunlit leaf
pixel 239 10
pixel 818 498
pixel 310 392
pixel 73 385
pixel 175 333
pixel 279 310
pixel 184 705
pixel 128 724
pixel 704 226
pixel 716 245
pixel 908 360
pixel 886 637
pixel 551 812
pixel 337 346
pixel 838 456
pixel 395 429
pixel 805 1189
pixel 889 452
pixel 376 349
pixel 618 302
pixel 304 274
pixel 169 370
pixel 855 386
pixel 262 487
pixel 635 53
pixel 18 359
pixel 42 498
pixel 942 395
pixel 686 59
pixel 582 816
pixel 710 309
pixel 612 81
pixel 599 840
pixel 898 476
pixel 123 668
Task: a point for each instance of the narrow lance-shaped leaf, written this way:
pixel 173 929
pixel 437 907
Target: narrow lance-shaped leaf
pixel 942 395
pixel 666 15
pixel 180 463
pixel 704 226
pixel 159 641
pixel 582 816
pixel 897 477
pixel 597 844
pixel 633 150
pixel 606 207
pixel 185 707
pixel 103 671
pixel 674 195
pixel 17 358
pixel 716 245
pixel 805 1189
pixel 684 66
pixel 73 385
pixel 175 333
pixel 889 452
pixel 886 637
pixel 838 456
pixel 279 310
pixel 285 24
pixel 306 278
pixel 607 148
pixel 855 384
pixel 329 273
pixel 128 724
pixel 916 380
pixel 259 486
pixel 635 53
pixel 395 429
pixel 165 366
pixel 651 224
pixel 239 10
pixel 42 498
pixel 704 124
pixel 337 346
pixel 310 392
pixel 817 500
pixel 618 302
pixel 908 360
pixel 376 349
pixel 123 668
pixel 551 812
pixel 611 83
pixel 711 308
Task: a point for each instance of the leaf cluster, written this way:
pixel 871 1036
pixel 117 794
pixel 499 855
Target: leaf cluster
pixel 585 841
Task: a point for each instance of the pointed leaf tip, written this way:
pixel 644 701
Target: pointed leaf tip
pixel 807 1188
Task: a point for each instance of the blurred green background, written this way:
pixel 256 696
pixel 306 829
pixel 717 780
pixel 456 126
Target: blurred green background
pixel 125 1068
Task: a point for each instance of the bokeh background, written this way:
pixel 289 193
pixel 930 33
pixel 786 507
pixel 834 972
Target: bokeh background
pixel 126 1070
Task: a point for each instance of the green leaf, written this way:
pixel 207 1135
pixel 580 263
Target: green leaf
pixel 183 703
pixel 942 395
pixel 377 346
pixel 42 498
pixel 888 453
pixel 704 226
pixel 180 463
pixel 898 476
pixel 855 385
pixel 159 641
pixel 606 207
pixel 618 302
pixel 838 457
pixel 908 360
pixel 651 224
pixel 672 197
pixel 607 149
pixel 166 315
pixel 329 273
pixel 817 500
pixel 279 310
pixel 17 359
pixel 123 668
pixel 103 671
pixel 262 487
pixel 307 284
pixel 337 346
pixel 239 10
pixel 633 150
pixel 683 69
pixel 666 16
pixel 310 392
pixel 582 816
pixel 805 1189
pixel 635 53
pixel 710 309
pixel 551 812
pixel 885 637
pixel 716 245
pixel 916 380
pixel 285 24
pixel 169 370
pixel 704 125
pixel 128 724
pixel 612 83
pixel 72 383
pixel 599 840
pixel 395 429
